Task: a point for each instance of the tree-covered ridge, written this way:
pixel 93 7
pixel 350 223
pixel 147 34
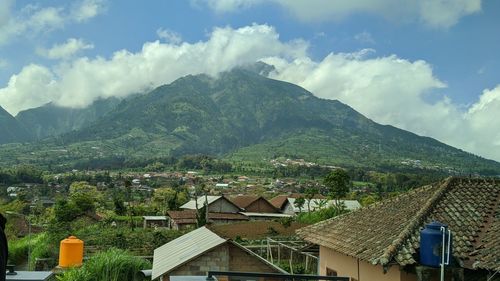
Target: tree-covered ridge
pixel 10 129
pixel 52 120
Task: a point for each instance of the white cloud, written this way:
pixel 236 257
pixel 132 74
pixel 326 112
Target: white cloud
pixel 78 82
pixel 169 36
pixel 364 37
pixel 388 89
pixel 33 20
pixel 223 6
pixel 446 13
pixel 434 13
pixel 66 50
pixel 5 12
pixel 32 87
pixel 88 9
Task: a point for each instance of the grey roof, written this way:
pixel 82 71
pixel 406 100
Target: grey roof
pixel 201 201
pixel 183 249
pixel 30 275
pixel 271 215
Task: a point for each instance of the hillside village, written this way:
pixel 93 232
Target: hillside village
pixel 249 140
pixel 265 220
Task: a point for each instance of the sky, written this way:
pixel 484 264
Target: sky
pixel 428 66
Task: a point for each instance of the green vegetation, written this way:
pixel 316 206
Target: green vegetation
pixel 337 182
pixel 37 245
pixel 110 265
pixel 320 215
pixel 12 130
pixel 242 117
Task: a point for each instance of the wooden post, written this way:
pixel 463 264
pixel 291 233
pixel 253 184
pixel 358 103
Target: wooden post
pixel 307 262
pixel 279 254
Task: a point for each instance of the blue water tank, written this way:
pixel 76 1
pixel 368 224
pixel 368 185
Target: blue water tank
pixel 431 240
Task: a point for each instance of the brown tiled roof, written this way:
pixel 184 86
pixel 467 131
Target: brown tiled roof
pixel 278 201
pixel 244 201
pixel 189 216
pixel 390 230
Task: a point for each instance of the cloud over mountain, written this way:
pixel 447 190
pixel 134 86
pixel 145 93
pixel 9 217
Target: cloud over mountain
pixel 388 89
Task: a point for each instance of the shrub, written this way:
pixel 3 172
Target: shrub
pixel 111 265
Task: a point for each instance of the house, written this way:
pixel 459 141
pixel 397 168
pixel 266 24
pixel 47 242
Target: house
pixel 201 250
pixel 216 204
pixel 222 185
pixel 255 204
pixel 287 204
pixel 281 201
pixel 382 241
pixel 187 218
pixel 154 221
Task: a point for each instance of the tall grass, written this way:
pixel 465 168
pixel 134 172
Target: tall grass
pixel 40 248
pixel 111 265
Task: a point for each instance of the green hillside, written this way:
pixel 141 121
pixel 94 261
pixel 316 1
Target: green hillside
pixel 243 116
pixel 51 120
pixel 10 129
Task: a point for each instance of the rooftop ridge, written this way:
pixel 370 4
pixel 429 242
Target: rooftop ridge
pixel 391 251
pixel 319 225
pixel 488 219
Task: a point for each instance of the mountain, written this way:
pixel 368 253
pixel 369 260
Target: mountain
pixel 10 129
pixel 52 120
pixel 243 116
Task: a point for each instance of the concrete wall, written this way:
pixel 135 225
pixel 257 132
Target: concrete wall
pixel 216 259
pixel 358 270
pixel 226 257
pixel 222 206
pixel 240 260
pixel 288 209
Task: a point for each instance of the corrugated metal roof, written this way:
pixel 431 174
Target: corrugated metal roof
pixel 201 201
pixel 272 215
pixel 154 218
pixel 183 249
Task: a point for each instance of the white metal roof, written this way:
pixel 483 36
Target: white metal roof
pixel 154 218
pixel 183 249
pixel 316 203
pixel 272 215
pixel 201 201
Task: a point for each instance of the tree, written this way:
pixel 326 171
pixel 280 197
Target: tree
pixel 299 203
pixel 309 194
pixel 120 208
pixel 84 196
pixel 337 182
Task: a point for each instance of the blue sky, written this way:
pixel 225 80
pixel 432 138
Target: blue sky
pixel 430 67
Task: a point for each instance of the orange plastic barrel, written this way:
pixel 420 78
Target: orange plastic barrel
pixel 71 252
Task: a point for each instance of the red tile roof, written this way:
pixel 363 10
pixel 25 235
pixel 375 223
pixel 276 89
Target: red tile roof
pixel 389 231
pixel 189 216
pixel 244 201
